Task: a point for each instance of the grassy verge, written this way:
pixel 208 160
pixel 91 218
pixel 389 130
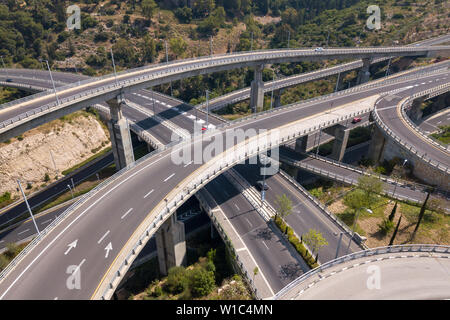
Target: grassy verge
pixel 443 136
pixel 297 243
pixel 12 251
pixel 81 189
pixel 90 159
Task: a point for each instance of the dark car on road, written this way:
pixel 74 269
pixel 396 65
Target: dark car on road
pixel 260 184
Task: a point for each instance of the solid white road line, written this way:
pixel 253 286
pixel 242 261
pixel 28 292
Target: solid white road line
pixel 104 236
pixel 126 213
pixel 265 245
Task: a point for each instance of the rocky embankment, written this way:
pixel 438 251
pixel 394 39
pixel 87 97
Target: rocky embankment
pixel 40 155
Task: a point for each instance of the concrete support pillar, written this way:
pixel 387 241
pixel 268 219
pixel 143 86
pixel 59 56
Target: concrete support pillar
pixel 277 98
pixel 171 244
pixel 377 144
pixel 415 113
pixel 119 132
pixel 364 73
pixel 257 90
pixel 301 144
pixel 341 135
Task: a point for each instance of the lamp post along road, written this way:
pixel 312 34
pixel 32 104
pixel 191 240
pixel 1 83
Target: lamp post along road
pixel 28 206
pixel 396 184
pixel 53 83
pixel 114 66
pixel 207 108
pixel 70 190
pixel 354 225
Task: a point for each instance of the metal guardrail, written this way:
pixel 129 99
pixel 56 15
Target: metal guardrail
pixel 365 253
pixel 422 156
pixel 407 103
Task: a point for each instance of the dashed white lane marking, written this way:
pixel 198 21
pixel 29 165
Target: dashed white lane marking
pixel 265 245
pixel 165 180
pixel 187 164
pixel 46 221
pixel 126 213
pixel 23 231
pixel 236 206
pixel 104 236
pixel 249 222
pixel 149 193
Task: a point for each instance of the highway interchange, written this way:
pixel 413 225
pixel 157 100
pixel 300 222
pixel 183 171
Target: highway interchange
pixel 117 218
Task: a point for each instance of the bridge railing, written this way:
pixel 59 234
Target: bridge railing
pixel 408 103
pixel 428 248
pixel 423 156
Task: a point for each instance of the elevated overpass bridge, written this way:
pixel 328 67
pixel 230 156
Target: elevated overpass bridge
pixel 177 188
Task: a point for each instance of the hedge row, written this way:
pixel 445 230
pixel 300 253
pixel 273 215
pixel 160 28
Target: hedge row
pixel 298 245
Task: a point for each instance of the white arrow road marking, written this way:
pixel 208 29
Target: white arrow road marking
pixel 71 246
pixel 108 248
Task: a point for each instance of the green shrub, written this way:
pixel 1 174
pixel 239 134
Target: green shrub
pixel 177 280
pixel 385 226
pixel 203 282
pixel 46 177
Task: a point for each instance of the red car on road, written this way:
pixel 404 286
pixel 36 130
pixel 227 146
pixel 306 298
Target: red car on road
pixel 356 120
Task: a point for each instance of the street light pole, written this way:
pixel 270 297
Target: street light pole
pixel 153 99
pixel 289 38
pixel 354 226
pixel 210 46
pixel 70 190
pixel 114 66
pixel 339 245
pixel 387 70
pixel 167 61
pixel 271 96
pixel 251 43
pixel 395 187
pixel 28 206
pixel 53 83
pixel 328 38
pixel 207 109
pixel 337 82
pixel 4 66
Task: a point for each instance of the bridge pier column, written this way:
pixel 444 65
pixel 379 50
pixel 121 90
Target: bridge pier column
pixel 364 73
pixel 415 113
pixel 377 145
pixel 119 132
pixel 341 135
pixel 277 98
pixel 301 144
pixel 257 90
pixel 171 244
